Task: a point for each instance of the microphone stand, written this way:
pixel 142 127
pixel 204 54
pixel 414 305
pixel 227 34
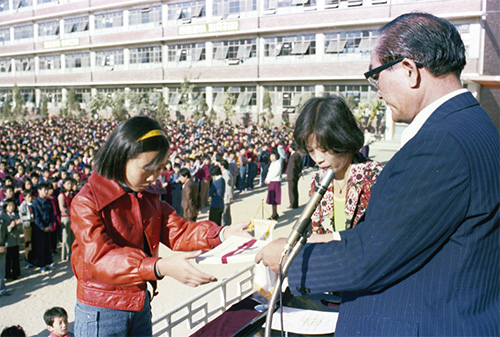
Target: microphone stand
pixel 297 239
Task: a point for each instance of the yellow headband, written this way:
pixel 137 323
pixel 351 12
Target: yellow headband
pixel 152 133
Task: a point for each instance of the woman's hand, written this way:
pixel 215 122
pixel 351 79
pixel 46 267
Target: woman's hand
pixel 238 229
pixel 178 267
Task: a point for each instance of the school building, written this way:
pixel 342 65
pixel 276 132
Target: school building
pixel 259 53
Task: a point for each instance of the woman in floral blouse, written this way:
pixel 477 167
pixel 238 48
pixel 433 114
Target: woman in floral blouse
pixel 327 131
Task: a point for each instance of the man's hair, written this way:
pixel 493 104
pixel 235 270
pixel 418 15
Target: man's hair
pixel 123 144
pixel 424 38
pixel 224 164
pixel 51 314
pixel 214 171
pixel 331 122
pixel 185 172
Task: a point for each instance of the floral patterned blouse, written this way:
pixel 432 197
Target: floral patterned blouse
pixel 362 175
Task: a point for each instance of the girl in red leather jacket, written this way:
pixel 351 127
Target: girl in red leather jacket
pixel 119 221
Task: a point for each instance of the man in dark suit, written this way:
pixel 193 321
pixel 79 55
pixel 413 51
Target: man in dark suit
pixel 190 203
pixel 293 172
pixel 425 260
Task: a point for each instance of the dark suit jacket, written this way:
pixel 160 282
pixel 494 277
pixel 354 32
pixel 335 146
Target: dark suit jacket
pixel 425 262
pixel 190 200
pixel 294 167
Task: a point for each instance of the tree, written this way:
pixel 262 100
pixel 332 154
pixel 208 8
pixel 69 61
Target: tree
pixel 350 102
pixel 118 107
pixel 267 106
pixel 202 108
pixel 368 111
pixel 228 105
pixel 212 116
pixel 7 109
pixel 72 104
pixel 44 110
pixel 186 92
pixel 161 112
pixel 18 101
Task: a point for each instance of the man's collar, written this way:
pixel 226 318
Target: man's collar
pixel 424 114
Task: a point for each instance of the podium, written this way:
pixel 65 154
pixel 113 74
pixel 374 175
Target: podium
pixel 243 320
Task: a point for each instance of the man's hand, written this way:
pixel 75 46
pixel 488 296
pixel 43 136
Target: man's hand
pixel 178 267
pixel 271 253
pixel 238 229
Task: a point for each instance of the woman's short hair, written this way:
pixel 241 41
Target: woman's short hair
pixel 128 141
pixel 332 123
pixel 275 152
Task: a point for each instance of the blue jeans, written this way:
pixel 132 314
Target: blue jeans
pixel 97 321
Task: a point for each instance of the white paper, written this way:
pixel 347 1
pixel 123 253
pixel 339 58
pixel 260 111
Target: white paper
pixel 301 321
pixel 234 249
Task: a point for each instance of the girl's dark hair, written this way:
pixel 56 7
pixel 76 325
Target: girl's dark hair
pixel 331 122
pixel 123 144
pixel 7 202
pixel 276 153
pixel 13 331
pixel 64 181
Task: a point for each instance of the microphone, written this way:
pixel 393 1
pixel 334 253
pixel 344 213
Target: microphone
pixel 303 222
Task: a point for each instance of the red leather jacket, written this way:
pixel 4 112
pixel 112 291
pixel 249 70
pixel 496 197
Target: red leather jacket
pixel 108 256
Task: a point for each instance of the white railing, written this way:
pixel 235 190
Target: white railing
pixel 191 315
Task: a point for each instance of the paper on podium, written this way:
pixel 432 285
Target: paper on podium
pixel 306 322
pixel 234 249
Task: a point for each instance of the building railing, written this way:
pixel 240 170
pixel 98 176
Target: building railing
pixel 197 311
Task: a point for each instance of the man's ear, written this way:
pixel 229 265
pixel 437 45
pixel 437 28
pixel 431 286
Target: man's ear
pixel 50 328
pixel 412 72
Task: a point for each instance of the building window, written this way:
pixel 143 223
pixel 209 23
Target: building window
pixel 83 95
pixel 75 25
pixel 5 66
pixel 24 65
pixel 273 5
pixel 360 42
pixel 235 50
pixel 50 62
pixel 53 95
pixel 109 58
pixel 49 28
pixel 39 2
pixel 232 8
pixel 4 35
pixel 290 45
pixel 186 10
pixel 4 5
pixel 23 32
pixel 145 55
pixel 145 15
pixel 109 20
pixel 192 52
pixel 17 4
pixel 77 61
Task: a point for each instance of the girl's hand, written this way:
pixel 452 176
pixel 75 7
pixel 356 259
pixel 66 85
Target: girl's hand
pixel 178 267
pixel 238 229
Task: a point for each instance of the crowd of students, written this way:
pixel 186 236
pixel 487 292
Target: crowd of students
pixel 43 164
